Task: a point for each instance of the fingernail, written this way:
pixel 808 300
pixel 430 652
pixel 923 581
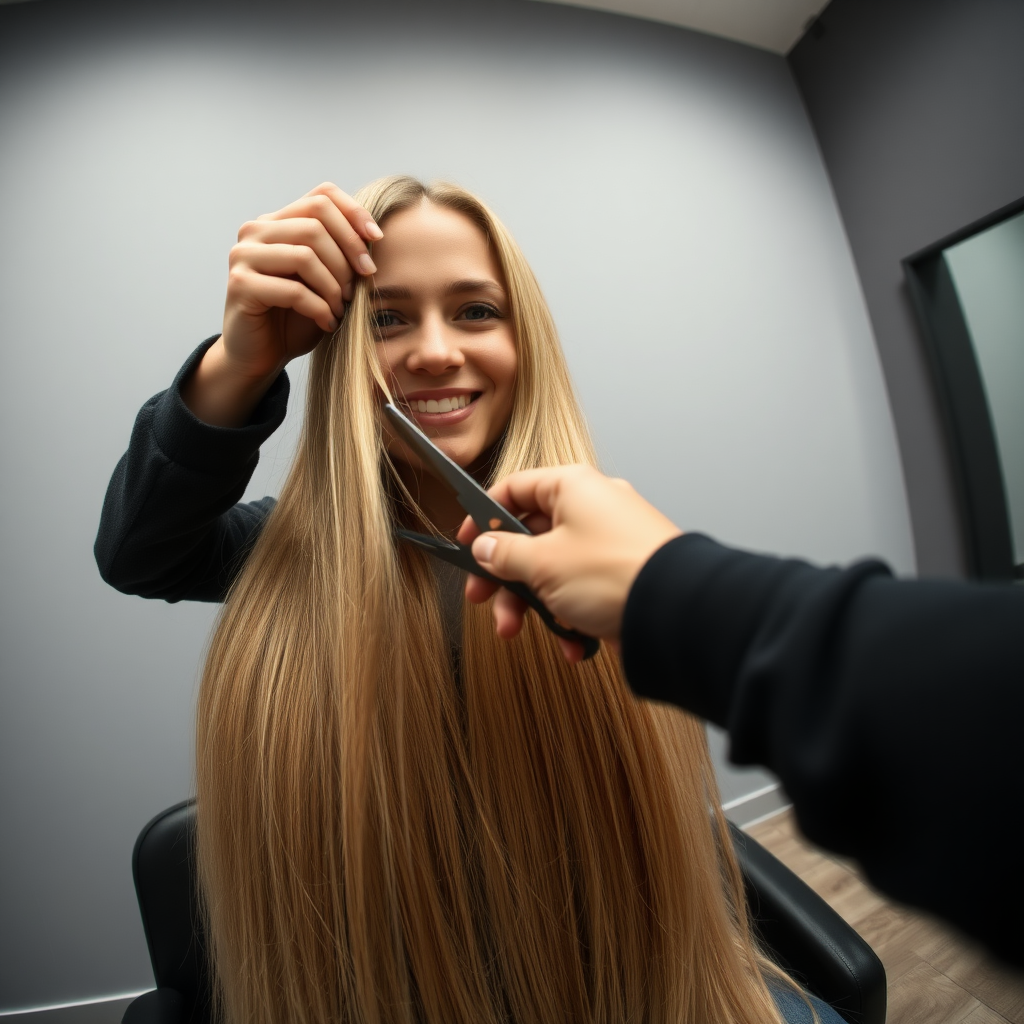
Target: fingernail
pixel 334 323
pixel 373 231
pixel 366 265
pixel 483 548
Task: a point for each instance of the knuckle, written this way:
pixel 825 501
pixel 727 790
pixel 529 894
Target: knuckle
pixel 248 229
pixel 237 279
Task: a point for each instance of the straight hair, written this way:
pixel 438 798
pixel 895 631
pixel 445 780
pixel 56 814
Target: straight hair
pixel 390 831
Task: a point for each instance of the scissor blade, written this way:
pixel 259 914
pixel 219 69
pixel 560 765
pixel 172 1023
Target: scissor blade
pixel 462 556
pixel 456 554
pixel 485 511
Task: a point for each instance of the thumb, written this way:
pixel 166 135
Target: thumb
pixel 507 555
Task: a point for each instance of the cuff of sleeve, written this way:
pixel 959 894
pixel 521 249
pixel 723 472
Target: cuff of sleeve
pixel 190 442
pixel 689 619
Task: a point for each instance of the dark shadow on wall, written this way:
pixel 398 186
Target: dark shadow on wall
pixel 918 106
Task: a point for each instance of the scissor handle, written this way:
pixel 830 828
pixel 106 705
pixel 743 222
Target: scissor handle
pixel 486 513
pixel 462 556
pixel 590 644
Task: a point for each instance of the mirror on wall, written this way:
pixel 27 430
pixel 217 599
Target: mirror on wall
pixel 968 291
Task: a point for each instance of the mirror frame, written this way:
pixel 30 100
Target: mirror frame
pixel 961 393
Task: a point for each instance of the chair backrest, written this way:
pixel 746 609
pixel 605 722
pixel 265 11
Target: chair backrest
pixel 163 865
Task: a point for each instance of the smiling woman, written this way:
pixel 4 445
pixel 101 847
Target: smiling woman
pixel 400 817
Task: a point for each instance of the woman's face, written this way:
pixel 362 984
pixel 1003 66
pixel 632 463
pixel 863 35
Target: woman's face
pixel 442 311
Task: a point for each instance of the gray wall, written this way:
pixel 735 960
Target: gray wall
pixel 667 188
pixel 919 109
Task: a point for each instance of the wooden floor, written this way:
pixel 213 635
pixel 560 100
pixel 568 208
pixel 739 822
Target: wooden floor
pixel 934 976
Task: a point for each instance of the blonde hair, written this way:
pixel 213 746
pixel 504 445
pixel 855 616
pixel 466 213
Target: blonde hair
pixel 389 832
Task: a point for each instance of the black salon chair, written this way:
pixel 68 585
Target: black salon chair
pixel 807 938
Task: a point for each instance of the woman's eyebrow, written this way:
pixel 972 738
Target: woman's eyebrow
pixel 398 291
pixel 484 284
pixel 395 291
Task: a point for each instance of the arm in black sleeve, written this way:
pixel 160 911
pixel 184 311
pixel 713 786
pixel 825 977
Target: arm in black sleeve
pixel 170 526
pixel 890 710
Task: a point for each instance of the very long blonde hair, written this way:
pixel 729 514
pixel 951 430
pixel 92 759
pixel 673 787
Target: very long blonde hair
pixel 390 831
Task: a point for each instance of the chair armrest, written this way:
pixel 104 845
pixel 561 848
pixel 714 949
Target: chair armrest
pixel 808 939
pixel 161 1006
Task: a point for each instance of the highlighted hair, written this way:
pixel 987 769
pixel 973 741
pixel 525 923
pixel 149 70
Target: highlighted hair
pixel 388 833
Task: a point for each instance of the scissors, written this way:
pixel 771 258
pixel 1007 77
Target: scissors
pixel 486 513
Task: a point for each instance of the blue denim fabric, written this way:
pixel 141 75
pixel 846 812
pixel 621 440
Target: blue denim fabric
pixel 794 1008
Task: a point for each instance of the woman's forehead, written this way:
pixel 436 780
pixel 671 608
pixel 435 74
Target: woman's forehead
pixel 430 242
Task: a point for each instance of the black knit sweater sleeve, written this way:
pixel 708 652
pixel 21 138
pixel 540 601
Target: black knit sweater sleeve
pixel 890 710
pixel 171 527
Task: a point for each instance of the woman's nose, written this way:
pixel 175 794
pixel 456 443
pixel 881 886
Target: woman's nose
pixel 436 350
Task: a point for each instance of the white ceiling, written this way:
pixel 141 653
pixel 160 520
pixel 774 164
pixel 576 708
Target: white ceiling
pixel 768 24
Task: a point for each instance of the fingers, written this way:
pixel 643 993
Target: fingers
pixel 524 491
pixel 571 650
pixel 344 219
pixel 468 531
pixel 279 263
pixel 536 490
pixel 303 257
pixel 509 612
pixel 313 246
pixel 478 589
pixel 353 212
pixel 504 555
pixel 255 293
pixel 537 522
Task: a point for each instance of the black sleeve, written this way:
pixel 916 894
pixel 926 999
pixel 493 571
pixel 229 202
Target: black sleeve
pixel 170 526
pixel 890 710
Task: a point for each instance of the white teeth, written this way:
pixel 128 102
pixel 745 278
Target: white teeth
pixel 444 405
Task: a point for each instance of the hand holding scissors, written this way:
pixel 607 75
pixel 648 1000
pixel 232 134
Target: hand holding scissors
pixel 593 536
pixel 486 513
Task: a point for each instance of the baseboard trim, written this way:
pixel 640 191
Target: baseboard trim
pixel 108 1010
pixel 755 807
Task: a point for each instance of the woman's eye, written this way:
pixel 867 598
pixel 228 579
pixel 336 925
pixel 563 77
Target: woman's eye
pixel 480 311
pixel 384 318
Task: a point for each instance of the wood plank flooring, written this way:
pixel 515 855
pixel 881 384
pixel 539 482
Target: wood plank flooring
pixel 934 975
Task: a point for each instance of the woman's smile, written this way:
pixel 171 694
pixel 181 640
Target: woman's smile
pixel 440 406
